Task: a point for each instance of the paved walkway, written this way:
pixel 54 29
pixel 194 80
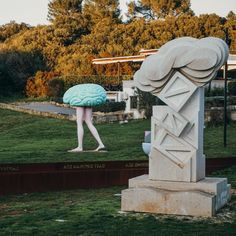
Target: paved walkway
pixel 47 107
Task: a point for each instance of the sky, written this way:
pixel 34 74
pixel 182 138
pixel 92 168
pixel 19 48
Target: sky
pixel 34 12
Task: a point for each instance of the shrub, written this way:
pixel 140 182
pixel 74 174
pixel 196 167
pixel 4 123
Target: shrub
pixel 56 89
pixel 147 101
pixel 217 101
pixel 110 107
pixel 232 88
pixel 214 92
pixel 216 117
pixel 232 100
pixel 37 86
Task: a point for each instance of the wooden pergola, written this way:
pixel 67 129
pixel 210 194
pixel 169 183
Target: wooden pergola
pixel 117 60
pixel 142 55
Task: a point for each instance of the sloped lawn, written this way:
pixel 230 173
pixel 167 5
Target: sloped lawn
pixel 32 139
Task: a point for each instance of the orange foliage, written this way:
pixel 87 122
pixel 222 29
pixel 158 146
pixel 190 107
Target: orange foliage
pixel 37 86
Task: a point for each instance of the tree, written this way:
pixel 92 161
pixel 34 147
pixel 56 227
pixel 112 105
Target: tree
pixel 230 25
pixel 211 25
pixel 38 85
pixel 155 9
pixel 96 11
pixel 68 21
pixel 187 25
pixel 80 32
pixel 231 16
pixel 10 29
pixel 15 68
pixel 69 28
pixel 60 8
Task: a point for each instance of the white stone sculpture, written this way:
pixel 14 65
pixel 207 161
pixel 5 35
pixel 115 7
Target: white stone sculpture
pixel 176 183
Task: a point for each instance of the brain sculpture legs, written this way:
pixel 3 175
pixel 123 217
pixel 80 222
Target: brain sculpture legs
pixel 83 97
pixel 176 183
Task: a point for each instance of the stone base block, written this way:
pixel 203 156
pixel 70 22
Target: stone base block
pixel 202 198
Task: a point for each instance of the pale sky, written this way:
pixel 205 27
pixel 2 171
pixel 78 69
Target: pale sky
pixel 34 12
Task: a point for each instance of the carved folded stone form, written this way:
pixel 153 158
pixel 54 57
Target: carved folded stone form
pixel 198 60
pixel 177 132
pixel 170 120
pixel 176 182
pixel 174 148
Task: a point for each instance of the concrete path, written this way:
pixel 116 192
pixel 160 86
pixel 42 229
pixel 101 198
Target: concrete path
pixel 47 107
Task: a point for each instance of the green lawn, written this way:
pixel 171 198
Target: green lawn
pixel 31 139
pixel 96 212
pixel 213 141
pixel 28 138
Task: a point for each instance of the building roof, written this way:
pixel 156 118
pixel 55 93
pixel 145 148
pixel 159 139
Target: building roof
pixel 110 60
pixel 143 54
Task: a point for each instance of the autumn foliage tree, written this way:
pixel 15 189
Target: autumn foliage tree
pixel 82 30
pixel 38 85
pixel 10 29
pixel 156 9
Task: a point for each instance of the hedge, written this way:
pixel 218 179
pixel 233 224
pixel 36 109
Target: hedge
pixel 232 88
pixel 110 107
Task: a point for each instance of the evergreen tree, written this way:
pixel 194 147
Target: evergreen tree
pixel 68 21
pixel 96 11
pixel 211 25
pixel 154 9
pixel 231 16
pixel 10 29
pixel 58 8
pixel 230 25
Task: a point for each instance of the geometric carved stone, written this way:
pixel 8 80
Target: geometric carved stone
pixel 161 168
pixel 174 148
pixel 169 119
pixel 164 167
pixel 177 91
pixel 189 134
pixel 193 111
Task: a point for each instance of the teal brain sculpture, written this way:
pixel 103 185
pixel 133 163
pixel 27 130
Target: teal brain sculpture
pixel 85 95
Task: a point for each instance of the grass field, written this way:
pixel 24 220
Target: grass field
pixel 31 139
pixel 27 138
pixel 96 212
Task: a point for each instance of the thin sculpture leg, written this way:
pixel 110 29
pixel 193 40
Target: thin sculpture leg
pixel 80 130
pixel 93 130
pixel 85 114
pixel 80 112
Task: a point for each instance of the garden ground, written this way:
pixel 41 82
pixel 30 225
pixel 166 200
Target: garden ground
pixel 26 138
pixel 97 212
pixel 32 139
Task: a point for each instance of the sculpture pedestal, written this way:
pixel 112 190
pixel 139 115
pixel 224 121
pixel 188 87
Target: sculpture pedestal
pixel 202 198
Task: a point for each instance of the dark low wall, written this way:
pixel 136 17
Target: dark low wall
pixel 26 178
pixel 21 178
